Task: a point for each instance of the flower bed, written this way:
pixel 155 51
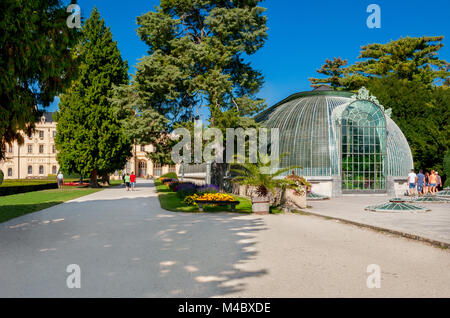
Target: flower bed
pixel 208 197
pixel 173 201
pixel 74 184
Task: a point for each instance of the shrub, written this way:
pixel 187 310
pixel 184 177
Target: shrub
pixel 166 180
pixel 173 185
pixel 299 184
pixel 446 165
pixel 26 188
pixel 208 188
pixel 1 176
pixel 186 189
pixel 170 175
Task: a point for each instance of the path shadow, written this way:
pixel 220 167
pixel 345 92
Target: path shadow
pixel 127 248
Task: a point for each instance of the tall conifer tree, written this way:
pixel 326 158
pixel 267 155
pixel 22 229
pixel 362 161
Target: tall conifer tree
pixel 90 137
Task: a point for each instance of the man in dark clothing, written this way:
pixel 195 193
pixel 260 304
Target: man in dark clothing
pixel 420 182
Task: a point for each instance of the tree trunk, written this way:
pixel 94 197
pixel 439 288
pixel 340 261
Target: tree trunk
pixel 94 183
pixel 218 173
pixel 105 178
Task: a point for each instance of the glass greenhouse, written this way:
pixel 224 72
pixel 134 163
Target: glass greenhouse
pixel 343 144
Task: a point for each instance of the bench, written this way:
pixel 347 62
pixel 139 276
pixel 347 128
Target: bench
pixel 232 204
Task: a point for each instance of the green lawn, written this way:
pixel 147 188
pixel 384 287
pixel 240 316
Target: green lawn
pixel 115 182
pixel 12 206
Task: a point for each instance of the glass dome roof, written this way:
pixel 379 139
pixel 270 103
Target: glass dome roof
pixel 310 133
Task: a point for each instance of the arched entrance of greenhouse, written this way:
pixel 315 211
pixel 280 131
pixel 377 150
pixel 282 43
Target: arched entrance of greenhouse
pixel 363 148
pixel 142 172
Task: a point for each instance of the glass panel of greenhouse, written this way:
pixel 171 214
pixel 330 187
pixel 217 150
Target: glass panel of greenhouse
pixel 339 139
pixel 363 148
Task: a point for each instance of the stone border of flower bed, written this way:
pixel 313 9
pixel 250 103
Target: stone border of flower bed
pixel 232 204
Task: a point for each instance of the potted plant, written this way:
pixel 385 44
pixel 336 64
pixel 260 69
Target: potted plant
pixel 296 189
pixel 256 176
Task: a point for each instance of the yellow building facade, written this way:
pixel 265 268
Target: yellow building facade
pixel 36 158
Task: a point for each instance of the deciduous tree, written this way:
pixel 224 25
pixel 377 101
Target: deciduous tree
pixel 35 62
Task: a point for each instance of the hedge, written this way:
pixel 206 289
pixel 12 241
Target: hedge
pixel 26 188
pixel 170 175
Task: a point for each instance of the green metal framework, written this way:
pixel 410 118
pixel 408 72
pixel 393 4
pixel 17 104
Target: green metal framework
pixel 444 193
pixel 431 199
pixel 363 148
pixel 396 205
pixel 311 133
pixel 316 196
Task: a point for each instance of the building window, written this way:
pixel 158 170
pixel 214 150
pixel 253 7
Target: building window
pixel 41 134
pixel 142 172
pixel 30 170
pixel 41 169
pixel 30 148
pixel 9 172
pixel 157 170
pixel 54 133
pixel 41 148
pixel 10 149
pixel 54 170
pixel 173 168
pixel 142 148
pixel 53 149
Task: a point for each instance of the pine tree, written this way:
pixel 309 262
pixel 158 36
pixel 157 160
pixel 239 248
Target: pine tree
pixel 196 59
pixel 410 58
pixel 334 69
pixel 90 137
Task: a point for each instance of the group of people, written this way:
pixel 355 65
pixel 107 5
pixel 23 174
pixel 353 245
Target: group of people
pixel 129 180
pixel 424 183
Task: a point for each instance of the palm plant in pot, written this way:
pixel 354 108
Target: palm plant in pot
pixel 258 175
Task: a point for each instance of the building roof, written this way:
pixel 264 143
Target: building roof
pixel 310 133
pixel 48 116
pixel 322 88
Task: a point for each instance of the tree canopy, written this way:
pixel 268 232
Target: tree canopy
pixel 90 137
pixel 413 59
pixel 334 69
pixel 36 63
pixel 422 113
pixel 196 59
pixel 409 58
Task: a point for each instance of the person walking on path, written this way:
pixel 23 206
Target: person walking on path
pixel 427 183
pixel 438 181
pixel 132 180
pixel 433 182
pixel 60 179
pixel 127 181
pixel 412 181
pixel 420 182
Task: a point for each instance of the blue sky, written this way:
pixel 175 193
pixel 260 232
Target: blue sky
pixel 302 34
